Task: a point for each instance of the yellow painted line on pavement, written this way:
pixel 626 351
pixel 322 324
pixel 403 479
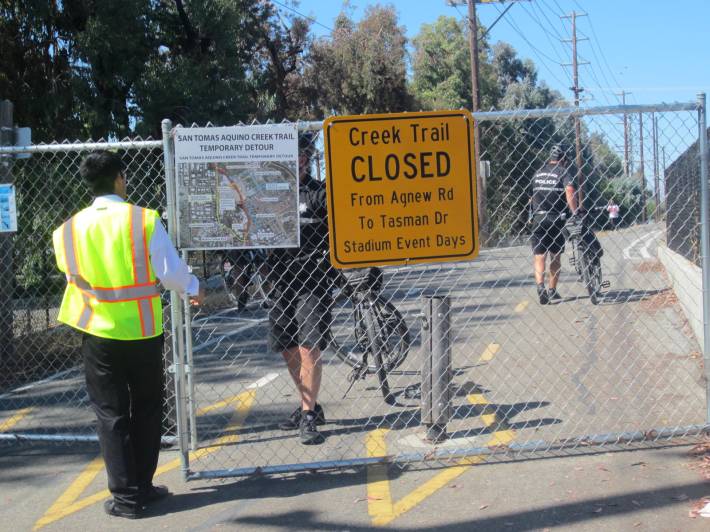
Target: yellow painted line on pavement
pixel 379 499
pixel 489 352
pixel 70 504
pixel 15 419
pixel 219 405
pixel 72 493
pixel 521 306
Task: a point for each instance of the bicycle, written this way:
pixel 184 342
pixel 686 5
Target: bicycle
pixel 244 278
pixel 586 255
pixel 380 339
pixel 378 342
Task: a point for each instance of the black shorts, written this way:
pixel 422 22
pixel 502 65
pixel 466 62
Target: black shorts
pixel 300 319
pixel 548 236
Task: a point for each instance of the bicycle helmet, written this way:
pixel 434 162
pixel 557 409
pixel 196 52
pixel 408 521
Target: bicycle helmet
pixel 559 151
pixel 307 142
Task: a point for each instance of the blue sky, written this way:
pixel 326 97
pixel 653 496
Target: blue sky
pixel 657 50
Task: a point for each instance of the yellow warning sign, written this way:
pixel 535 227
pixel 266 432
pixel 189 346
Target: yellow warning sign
pixel 401 188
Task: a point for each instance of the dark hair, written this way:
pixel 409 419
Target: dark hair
pixel 307 143
pixel 99 170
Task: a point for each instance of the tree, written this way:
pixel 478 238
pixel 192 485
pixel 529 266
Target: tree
pixel 197 67
pixel 35 68
pixel 278 65
pixel 441 70
pixel 361 68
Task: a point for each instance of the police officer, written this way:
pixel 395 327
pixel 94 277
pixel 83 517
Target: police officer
pixel 300 316
pixel 553 193
pixel 112 254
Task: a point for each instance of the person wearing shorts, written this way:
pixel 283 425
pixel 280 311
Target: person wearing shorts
pixel 553 193
pixel 299 319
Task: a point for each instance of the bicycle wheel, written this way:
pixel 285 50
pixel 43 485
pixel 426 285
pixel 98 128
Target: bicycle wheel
pixel 591 275
pixel 394 333
pixel 236 280
pixel 350 339
pixel 595 279
pixel 377 345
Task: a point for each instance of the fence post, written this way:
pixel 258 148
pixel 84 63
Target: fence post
pixel 705 239
pixel 176 317
pixel 7 278
pixel 436 368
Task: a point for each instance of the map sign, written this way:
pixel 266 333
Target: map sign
pixel 8 209
pixel 401 188
pixel 237 187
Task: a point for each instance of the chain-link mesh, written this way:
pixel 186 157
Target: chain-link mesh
pixel 42 391
pixel 613 363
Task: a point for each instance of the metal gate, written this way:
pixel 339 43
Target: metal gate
pixel 42 393
pixel 570 376
pixel 525 378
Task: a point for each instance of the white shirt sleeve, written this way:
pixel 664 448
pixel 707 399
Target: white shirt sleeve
pixel 172 271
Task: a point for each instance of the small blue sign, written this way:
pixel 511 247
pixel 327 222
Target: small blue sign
pixel 8 209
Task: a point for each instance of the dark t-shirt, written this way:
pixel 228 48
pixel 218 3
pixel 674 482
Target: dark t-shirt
pixel 549 185
pixel 307 265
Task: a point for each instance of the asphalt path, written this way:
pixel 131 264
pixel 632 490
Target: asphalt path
pixel 522 374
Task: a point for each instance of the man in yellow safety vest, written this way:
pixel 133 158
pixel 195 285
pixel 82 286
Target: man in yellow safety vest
pixel 113 253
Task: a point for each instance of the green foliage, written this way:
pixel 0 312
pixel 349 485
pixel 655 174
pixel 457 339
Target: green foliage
pixel 441 69
pixel 114 68
pixel 361 68
pixel 39 214
pixel 36 73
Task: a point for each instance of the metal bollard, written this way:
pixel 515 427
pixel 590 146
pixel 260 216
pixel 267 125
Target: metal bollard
pixel 436 367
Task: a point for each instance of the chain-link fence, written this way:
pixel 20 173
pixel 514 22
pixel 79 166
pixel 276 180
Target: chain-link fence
pixel 525 377
pixel 42 392
pixel 615 370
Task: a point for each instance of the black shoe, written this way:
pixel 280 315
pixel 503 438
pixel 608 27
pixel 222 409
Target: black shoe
pixel 111 508
pixel 155 493
pixel 294 420
pixel 542 294
pixel 308 429
pixel 553 295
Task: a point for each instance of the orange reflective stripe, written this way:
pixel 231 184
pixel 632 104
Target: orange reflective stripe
pixel 86 313
pixel 141 266
pixel 69 251
pixel 116 295
pixel 145 309
pixel 141 271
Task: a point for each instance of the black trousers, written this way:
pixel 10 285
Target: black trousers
pixel 125 381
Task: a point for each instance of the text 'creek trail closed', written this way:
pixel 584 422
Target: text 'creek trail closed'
pixel 401 188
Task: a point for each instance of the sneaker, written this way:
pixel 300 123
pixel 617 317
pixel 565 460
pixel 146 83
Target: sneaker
pixel 542 294
pixel 294 420
pixel 308 429
pixel 155 493
pixel 116 510
pixel 553 295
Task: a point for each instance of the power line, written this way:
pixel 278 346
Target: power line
pixel 541 55
pixel 537 20
pixel 601 52
pixel 312 19
pixel 592 69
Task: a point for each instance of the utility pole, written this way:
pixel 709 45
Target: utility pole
pixel 626 135
pixel 576 89
pixel 473 39
pixel 7 280
pixel 475 106
pixel 656 177
pixel 642 170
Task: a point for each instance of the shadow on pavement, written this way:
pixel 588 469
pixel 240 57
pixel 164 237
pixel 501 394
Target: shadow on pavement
pixel 629 295
pixel 567 514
